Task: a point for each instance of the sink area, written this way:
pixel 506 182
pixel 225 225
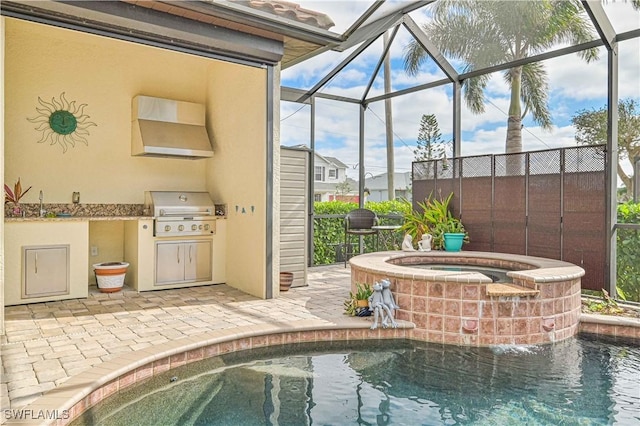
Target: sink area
pixel 31 211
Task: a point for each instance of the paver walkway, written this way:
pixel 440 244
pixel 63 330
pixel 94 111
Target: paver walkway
pixel 47 343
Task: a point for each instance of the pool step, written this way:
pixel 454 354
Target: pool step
pixel 510 290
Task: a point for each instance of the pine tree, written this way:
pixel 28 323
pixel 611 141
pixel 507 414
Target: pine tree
pixel 430 143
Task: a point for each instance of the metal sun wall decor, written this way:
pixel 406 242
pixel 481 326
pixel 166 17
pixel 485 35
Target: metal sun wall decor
pixel 62 122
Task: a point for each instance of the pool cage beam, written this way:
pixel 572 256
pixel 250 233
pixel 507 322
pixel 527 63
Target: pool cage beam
pixel 636 179
pixel 312 171
pixel 385 50
pixel 612 175
pixel 607 38
pixel 437 56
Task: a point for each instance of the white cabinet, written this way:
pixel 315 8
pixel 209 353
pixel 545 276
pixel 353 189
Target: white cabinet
pixel 46 271
pixel 57 249
pixel 183 261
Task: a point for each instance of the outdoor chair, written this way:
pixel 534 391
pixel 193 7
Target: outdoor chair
pixel 358 222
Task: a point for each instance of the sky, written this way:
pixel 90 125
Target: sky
pixel 574 85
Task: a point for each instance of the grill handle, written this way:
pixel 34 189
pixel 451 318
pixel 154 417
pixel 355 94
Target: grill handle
pixel 183 213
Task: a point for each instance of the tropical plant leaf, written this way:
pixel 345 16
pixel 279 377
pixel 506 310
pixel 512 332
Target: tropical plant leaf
pixel 16 195
pixel 9 197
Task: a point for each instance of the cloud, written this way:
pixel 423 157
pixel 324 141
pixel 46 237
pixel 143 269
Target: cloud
pixel 573 85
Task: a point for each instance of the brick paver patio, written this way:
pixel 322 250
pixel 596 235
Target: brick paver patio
pixel 48 343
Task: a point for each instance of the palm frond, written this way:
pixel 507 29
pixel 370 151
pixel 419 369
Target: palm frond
pixel 481 34
pixel 535 93
pixel 474 93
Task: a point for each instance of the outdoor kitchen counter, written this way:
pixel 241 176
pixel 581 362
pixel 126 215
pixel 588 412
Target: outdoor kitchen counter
pixel 74 218
pixel 59 249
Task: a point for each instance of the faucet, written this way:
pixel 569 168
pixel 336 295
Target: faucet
pixel 42 210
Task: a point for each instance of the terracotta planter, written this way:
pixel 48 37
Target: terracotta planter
pixel 286 278
pixel 110 276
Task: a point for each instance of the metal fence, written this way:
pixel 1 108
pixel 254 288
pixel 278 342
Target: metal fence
pixel 545 203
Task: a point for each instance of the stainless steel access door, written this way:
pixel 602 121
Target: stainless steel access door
pixel 180 261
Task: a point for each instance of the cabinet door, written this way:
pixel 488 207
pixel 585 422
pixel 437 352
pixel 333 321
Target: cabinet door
pixel 169 262
pixel 46 271
pixel 197 261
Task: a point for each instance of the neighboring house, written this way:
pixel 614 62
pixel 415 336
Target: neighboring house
pixel 330 181
pixel 377 186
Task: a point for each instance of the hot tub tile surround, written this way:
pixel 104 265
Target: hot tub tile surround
pixel 542 305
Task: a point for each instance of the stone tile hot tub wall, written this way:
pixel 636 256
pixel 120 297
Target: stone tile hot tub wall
pixel 542 305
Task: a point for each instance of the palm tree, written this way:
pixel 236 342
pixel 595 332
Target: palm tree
pixel 487 33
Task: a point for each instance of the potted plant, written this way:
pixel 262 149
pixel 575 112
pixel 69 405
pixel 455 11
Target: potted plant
pixel 358 302
pixel 435 219
pixel 448 231
pixel 13 197
pixel 453 234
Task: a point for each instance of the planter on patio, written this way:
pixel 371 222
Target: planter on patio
pixel 286 279
pixel 110 276
pixel 453 241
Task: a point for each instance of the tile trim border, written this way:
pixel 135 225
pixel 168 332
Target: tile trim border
pixel 80 392
pixel 610 326
pixel 90 387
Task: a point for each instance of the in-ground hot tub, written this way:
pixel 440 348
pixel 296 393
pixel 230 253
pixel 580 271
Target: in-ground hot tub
pixel 539 302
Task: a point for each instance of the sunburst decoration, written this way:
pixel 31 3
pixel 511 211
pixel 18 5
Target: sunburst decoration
pixel 62 122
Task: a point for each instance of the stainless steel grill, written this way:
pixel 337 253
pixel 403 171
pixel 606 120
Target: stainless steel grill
pixel 181 213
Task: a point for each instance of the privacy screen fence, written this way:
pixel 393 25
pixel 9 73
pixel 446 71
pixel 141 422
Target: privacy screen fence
pixel 544 203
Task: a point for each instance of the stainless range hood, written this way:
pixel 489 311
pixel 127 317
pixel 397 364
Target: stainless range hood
pixel 168 128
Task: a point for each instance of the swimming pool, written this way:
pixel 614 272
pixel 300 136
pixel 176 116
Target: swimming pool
pixel 581 380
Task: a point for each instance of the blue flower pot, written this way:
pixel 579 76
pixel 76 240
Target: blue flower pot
pixel 453 241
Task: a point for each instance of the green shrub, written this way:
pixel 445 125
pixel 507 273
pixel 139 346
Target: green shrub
pixel 628 253
pixel 328 233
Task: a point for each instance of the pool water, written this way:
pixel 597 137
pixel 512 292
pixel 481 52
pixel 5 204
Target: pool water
pixel 579 381
pixel 497 275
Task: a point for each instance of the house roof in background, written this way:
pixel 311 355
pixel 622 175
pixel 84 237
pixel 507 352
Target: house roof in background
pixel 331 160
pixel 401 180
pixel 336 162
pixel 331 186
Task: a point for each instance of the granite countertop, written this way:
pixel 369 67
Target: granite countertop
pixel 74 218
pixel 75 212
pixel 79 212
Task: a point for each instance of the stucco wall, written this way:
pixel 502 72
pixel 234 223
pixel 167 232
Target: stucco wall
pixel 44 62
pixel 237 117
